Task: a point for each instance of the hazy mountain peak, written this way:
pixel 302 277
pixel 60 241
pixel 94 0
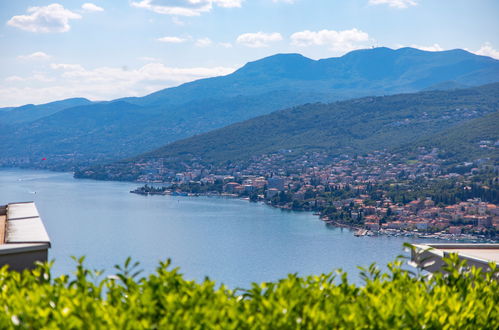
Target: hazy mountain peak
pixel 278 63
pixel 31 112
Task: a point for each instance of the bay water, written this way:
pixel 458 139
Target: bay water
pixel 232 241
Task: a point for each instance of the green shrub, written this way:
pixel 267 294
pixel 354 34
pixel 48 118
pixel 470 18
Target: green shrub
pixel 462 299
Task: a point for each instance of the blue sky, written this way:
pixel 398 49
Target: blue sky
pixel 105 49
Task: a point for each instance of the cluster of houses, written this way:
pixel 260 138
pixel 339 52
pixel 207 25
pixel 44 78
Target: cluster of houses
pixel 372 167
pixel 423 215
pixel 305 179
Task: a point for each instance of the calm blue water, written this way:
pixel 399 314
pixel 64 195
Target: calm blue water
pixel 231 241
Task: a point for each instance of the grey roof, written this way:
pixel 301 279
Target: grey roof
pixel 30 230
pixel 22 211
pixel 24 224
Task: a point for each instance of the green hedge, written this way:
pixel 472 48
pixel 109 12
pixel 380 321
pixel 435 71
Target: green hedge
pixel 392 300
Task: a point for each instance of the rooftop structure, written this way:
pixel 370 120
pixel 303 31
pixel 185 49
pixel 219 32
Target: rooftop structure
pixel 23 238
pixel 429 256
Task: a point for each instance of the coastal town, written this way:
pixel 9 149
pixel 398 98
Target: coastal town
pixel 376 193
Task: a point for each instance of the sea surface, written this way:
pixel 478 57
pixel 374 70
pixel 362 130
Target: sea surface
pixel 232 241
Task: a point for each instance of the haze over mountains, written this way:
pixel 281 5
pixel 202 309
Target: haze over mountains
pixel 455 122
pixel 30 112
pixel 80 133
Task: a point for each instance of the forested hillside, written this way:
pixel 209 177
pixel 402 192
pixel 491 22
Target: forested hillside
pixel 474 139
pixel 354 126
pixel 455 122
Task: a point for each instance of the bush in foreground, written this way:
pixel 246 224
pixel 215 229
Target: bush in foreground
pixel 462 299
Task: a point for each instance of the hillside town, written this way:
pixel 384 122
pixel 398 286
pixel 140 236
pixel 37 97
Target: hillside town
pixel 375 193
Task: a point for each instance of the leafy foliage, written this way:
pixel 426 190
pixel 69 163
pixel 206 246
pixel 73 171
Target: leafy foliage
pixel 447 191
pixel 398 299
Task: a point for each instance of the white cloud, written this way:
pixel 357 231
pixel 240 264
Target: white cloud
pixel 431 48
pixel 172 40
pixel 51 18
pixel 14 78
pixel 400 4
pixel 148 59
pixel 338 41
pixel 74 80
pixel 150 71
pixel 35 56
pixel 203 42
pixel 258 39
pixel 90 7
pixel 488 50
pixel 36 77
pixel 225 44
pixel 62 66
pixel 185 7
pixel 227 3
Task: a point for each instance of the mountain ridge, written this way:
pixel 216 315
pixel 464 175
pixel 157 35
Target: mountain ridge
pixel 258 88
pixel 31 112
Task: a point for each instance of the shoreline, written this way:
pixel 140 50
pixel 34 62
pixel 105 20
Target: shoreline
pixel 355 229
pixel 408 233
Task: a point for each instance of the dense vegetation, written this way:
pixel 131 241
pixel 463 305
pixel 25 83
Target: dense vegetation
pixel 355 126
pixel 397 299
pixel 126 127
pixel 462 143
pixel 484 186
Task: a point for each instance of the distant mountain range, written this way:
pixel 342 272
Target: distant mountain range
pixel 78 132
pixel 455 121
pixel 30 112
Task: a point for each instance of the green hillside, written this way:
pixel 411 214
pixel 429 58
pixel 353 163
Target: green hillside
pixel 354 126
pixel 471 140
